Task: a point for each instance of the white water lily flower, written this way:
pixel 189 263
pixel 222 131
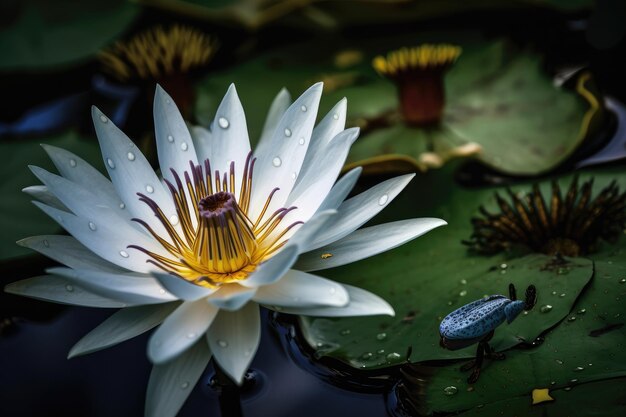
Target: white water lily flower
pixel 223 231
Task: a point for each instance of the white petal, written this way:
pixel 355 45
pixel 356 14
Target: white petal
pixel 229 141
pixel 309 231
pixel 182 288
pixel 356 211
pixel 59 290
pixel 299 289
pixel 180 330
pixel 231 296
pixel 202 140
pixel 108 241
pixel 121 326
pixel 271 270
pixel 174 144
pixel 79 171
pixel 234 338
pixel 362 303
pixel 69 252
pixel 279 164
pixel 340 190
pixel 171 383
pixel 312 190
pixel 81 201
pixel 129 288
pixel 131 176
pixel 365 243
pixel 41 193
pixel 331 125
pixel 279 106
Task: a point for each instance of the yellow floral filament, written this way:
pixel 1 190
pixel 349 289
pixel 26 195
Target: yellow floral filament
pixel 421 57
pixel 158 52
pixel 218 242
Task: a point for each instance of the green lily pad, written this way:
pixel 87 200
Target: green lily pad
pixel 18 217
pixel 431 276
pixel 43 34
pixel 494 99
pixel 596 398
pixel 588 346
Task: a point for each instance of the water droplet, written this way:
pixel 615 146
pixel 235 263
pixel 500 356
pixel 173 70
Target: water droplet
pixel 191 335
pixel 223 122
pixel 572 318
pixel 451 390
pixel 503 266
pixel 336 116
pixel 174 219
pixel 73 162
pixel 590 364
pixel 110 163
pixel 184 146
pixel 560 362
pixel 393 356
pixel 69 288
pixel 302 141
pixel 546 309
pixel 623 280
pixel 287 132
pixel 103 118
pixel 463 293
pixel 345 332
pixel 383 200
pixel 222 343
pixel 562 295
pixel 367 355
pixel 276 161
pixel 578 369
pixel 92 226
pixel 130 156
pixel 463 281
pixel 184 385
pixel 170 138
pixel 567 388
pixel 332 290
pixel 552 382
pixel 123 254
pixel 294 175
pixel 122 206
pixel 46 243
pixel 562 271
pixel 149 189
pixel 303 107
pixel 161 291
pixel 381 336
pixel 573 381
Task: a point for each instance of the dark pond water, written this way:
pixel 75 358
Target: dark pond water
pixel 36 379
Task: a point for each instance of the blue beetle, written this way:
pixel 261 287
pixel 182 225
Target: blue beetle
pixel 476 322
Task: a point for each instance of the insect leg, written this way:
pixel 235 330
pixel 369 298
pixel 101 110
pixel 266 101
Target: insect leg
pixel 480 353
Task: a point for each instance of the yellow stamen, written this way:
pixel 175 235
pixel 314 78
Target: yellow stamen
pixel 422 57
pixel 218 242
pixel 158 52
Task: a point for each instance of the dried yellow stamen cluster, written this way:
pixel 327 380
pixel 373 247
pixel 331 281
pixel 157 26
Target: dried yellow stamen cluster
pixel 158 52
pixel 421 57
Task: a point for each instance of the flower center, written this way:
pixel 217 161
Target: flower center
pixel 215 241
pixel 418 73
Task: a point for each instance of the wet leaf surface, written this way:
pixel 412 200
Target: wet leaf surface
pixel 433 275
pixel 587 346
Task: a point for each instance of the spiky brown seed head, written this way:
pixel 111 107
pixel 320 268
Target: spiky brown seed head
pixel 570 226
